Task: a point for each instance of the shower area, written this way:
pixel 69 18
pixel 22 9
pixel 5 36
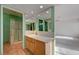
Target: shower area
pixel 15 31
pixel 12 29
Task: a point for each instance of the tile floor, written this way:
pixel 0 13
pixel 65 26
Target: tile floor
pixel 15 49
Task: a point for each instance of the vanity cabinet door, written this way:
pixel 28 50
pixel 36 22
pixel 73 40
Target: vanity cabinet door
pixel 39 48
pixel 30 44
pixel 35 46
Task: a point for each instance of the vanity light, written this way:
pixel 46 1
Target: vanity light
pixel 38 15
pixel 47 12
pixel 64 37
pixel 41 6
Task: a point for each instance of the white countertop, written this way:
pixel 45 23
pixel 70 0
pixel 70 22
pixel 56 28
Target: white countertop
pixel 40 38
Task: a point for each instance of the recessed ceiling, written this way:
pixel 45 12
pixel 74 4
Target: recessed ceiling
pixel 30 10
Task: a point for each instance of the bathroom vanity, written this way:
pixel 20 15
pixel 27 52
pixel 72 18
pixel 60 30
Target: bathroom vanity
pixel 35 46
pixel 40 33
pixel 38 45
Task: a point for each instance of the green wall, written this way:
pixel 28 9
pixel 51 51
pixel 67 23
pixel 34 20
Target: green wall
pixel 52 19
pixel 6 25
pixel 0 29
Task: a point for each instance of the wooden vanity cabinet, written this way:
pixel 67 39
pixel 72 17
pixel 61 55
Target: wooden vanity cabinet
pixel 30 44
pixel 39 47
pixel 35 46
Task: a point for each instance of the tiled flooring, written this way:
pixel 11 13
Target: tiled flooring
pixel 15 49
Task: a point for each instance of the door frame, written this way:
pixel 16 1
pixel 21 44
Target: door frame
pixel 23 26
pixel 1 30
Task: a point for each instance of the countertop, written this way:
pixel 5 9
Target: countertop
pixel 40 38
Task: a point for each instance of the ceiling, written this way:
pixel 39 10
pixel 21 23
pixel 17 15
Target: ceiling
pixel 29 10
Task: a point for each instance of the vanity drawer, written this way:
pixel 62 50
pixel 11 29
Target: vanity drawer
pixel 39 48
pixel 29 39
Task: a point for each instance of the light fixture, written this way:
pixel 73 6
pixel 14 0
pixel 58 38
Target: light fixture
pixel 38 15
pixel 41 6
pixel 47 12
pixel 64 37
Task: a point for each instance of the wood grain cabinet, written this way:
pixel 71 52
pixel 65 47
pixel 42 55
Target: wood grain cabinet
pixel 35 46
pixel 39 47
pixel 30 44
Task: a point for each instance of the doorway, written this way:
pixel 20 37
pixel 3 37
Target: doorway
pixel 15 31
pixel 12 32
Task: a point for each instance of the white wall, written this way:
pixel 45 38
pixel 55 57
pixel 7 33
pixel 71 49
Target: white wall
pixel 0 29
pixel 67 20
pixel 70 29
